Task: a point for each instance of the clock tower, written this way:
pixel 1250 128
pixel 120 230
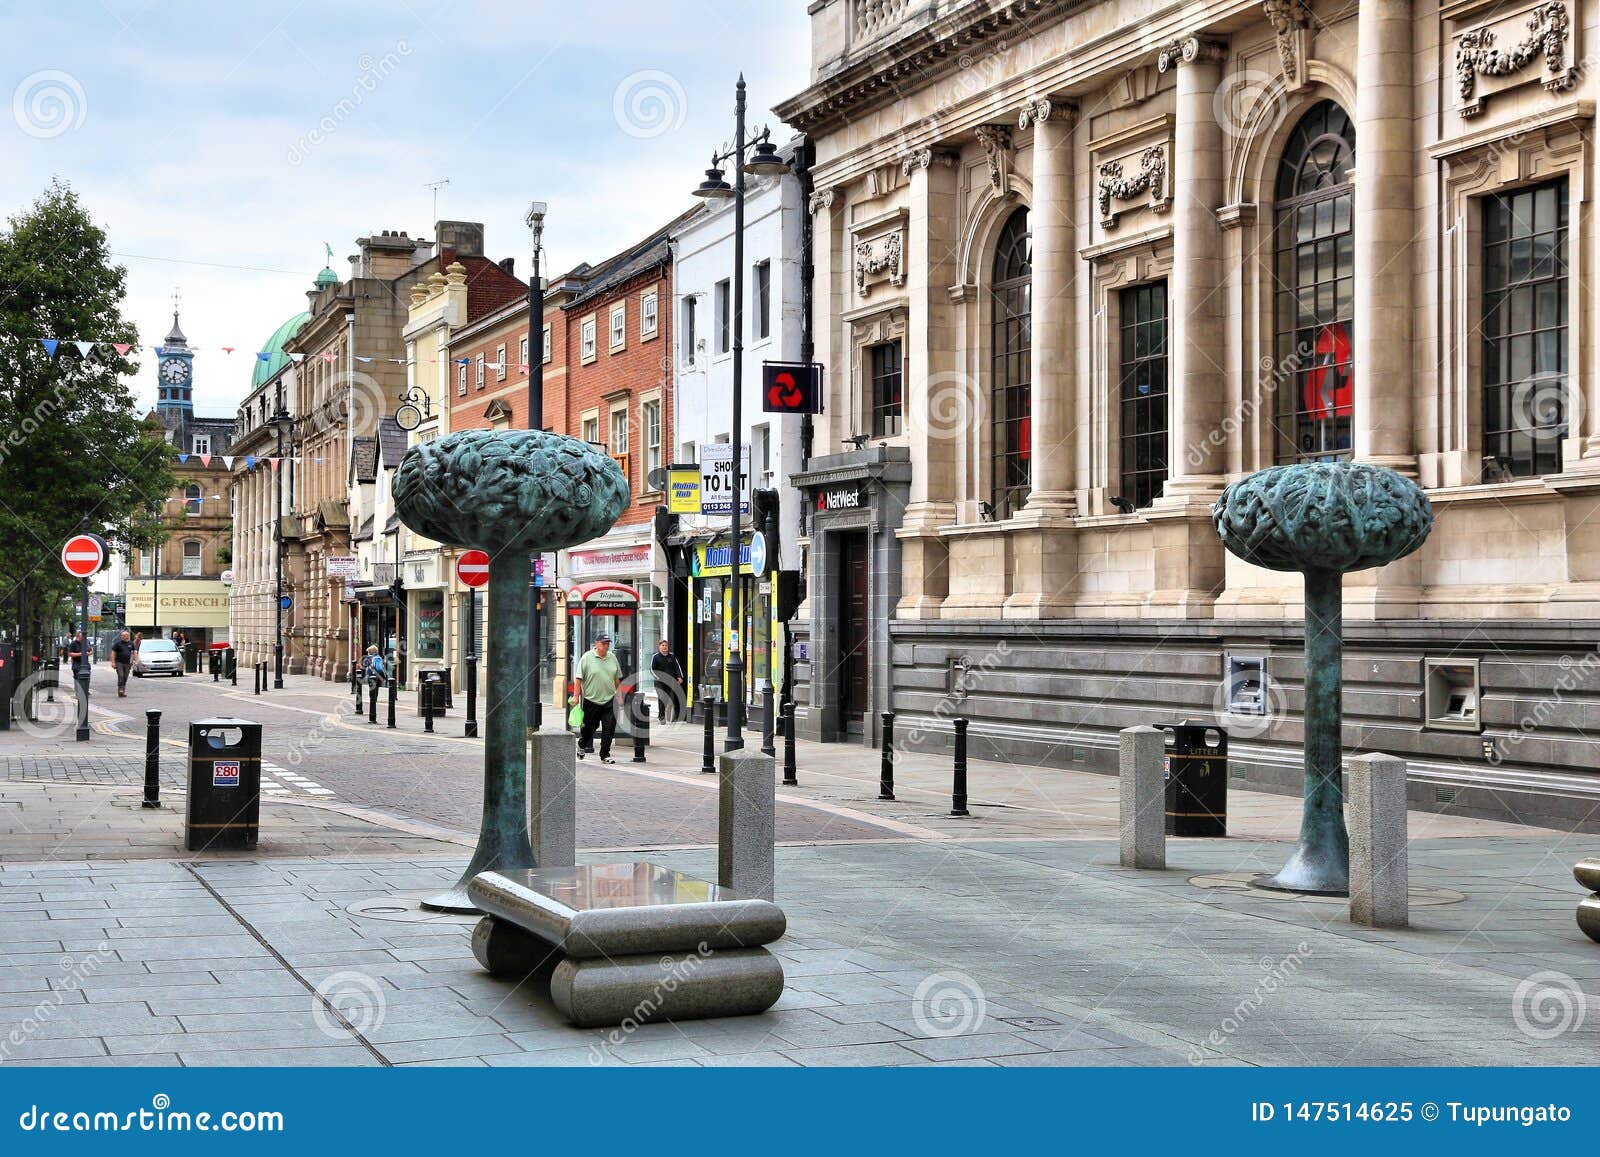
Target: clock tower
pixel 175 378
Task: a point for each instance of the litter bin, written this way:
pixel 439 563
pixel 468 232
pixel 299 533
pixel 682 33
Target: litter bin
pixel 10 654
pixel 1197 779
pixel 223 809
pixel 433 687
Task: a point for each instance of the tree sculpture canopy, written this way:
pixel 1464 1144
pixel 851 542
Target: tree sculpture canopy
pixel 517 490
pixel 1330 516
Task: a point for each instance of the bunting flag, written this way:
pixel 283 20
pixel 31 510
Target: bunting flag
pixel 205 460
pixel 274 462
pixel 121 347
pixel 182 458
pixel 50 344
pixel 329 355
pixel 84 347
pixel 228 349
pixel 227 462
pixel 297 358
pixel 157 350
pixel 501 366
pixel 361 359
pixel 267 358
pixel 468 362
pixel 250 464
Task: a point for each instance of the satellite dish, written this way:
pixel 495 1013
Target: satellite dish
pixel 408 417
pixel 657 479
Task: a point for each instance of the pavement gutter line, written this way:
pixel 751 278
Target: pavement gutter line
pixel 289 968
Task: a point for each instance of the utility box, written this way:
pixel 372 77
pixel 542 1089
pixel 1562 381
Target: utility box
pixel 1197 779
pixel 223 809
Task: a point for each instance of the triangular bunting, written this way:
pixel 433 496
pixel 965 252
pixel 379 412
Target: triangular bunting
pixel 49 344
pixel 183 458
pixel 361 359
pixel 227 462
pixel 121 347
pixel 205 460
pixel 329 355
pixel 228 349
pixel 297 358
pixel 84 347
pixel 266 357
pixel 250 464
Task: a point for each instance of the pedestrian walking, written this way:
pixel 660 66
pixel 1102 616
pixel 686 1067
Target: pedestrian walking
pixel 372 666
pixel 81 657
pixel 122 660
pixel 598 675
pixel 669 679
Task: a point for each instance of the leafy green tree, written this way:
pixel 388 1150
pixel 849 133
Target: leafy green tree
pixel 73 452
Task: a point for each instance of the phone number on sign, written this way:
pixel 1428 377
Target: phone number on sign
pixel 1401 1112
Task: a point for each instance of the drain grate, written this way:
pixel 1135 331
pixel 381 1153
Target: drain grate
pixel 1444 795
pixel 1029 1021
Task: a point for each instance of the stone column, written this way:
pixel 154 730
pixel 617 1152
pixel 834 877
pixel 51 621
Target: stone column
pixel 1052 220
pixel 1385 226
pixel 1142 797
pixel 1198 354
pixel 1189 568
pixel 552 796
pixel 746 815
pixel 935 396
pixel 1379 876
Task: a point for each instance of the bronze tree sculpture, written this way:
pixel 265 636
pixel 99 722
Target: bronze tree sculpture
pixel 510 494
pixel 1323 519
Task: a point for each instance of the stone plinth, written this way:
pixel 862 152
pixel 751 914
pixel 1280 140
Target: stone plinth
pixel 1587 873
pixel 746 815
pixel 553 797
pixel 1142 797
pixel 1379 872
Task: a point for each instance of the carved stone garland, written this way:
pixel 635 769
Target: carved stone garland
pixel 872 258
pixel 1476 54
pixel 1151 177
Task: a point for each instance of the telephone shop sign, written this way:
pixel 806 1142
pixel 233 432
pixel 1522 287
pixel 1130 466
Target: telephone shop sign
pixel 225 773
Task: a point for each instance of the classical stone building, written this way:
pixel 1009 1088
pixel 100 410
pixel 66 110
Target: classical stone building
pixel 1130 252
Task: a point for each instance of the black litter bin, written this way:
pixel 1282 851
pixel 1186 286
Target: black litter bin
pixel 10 655
pixel 1197 779
pixel 433 687
pixel 224 805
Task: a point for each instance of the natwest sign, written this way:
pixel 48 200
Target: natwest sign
pixel 850 497
pixel 621 560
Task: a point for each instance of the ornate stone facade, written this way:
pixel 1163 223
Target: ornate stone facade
pixel 1315 208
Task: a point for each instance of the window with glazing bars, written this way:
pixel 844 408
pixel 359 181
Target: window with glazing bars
pixel 886 364
pixel 1143 390
pixel 1011 371
pixel 1525 291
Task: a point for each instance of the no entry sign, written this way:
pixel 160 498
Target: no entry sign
pixel 83 555
pixel 472 568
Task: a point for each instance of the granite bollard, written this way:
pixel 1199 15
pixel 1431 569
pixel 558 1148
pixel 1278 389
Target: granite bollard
pixel 1587 873
pixel 1379 873
pixel 746 821
pixel 553 797
pixel 1142 797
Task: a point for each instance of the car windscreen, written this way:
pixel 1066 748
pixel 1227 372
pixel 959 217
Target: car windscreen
pixel 154 645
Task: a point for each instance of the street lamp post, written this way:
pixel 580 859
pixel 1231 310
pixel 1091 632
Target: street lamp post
pixel 764 163
pixel 284 425
pixel 535 222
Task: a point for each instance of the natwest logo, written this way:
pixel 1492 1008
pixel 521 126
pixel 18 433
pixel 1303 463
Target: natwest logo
pixel 849 499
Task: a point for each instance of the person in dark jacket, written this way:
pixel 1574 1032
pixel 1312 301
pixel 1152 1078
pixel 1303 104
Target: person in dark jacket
pixel 669 677
pixel 122 660
pixel 81 656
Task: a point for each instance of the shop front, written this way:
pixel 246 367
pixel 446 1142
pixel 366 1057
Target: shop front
pixel 630 562
pixel 380 622
pixel 198 607
pixel 425 605
pixel 714 634
pixel 842 664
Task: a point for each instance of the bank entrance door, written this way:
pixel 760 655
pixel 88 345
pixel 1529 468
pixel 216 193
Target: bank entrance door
pixel 854 568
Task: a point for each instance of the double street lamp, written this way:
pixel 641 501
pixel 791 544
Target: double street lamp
pixel 535 222
pixel 284 425
pixel 764 161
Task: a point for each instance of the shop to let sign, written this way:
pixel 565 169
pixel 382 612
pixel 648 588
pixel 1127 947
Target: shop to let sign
pixel 716 479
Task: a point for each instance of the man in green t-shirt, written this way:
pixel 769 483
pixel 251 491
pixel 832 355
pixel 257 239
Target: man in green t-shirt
pixel 596 688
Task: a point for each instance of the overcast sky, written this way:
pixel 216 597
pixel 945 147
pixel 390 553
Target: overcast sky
pixel 221 144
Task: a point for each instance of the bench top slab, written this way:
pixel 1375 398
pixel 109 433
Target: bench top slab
pixel 625 909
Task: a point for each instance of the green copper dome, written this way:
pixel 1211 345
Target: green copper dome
pixel 327 277
pixel 266 369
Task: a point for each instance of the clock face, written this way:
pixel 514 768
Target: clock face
pixel 175 371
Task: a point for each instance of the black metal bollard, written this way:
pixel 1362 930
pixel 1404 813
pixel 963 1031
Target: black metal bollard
pixel 233 667
pixel 708 753
pixel 425 689
pixel 789 779
pixel 372 701
pixel 768 720
pixel 886 772
pixel 394 689
pixel 641 727
pixel 256 673
pixel 355 678
pixel 958 792
pixel 152 759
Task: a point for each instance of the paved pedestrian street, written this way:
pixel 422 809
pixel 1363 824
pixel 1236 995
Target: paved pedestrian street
pixel 1012 938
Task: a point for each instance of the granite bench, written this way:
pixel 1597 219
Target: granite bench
pixel 629 941
pixel 1587 873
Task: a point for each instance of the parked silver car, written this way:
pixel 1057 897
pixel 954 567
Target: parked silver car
pixel 158 657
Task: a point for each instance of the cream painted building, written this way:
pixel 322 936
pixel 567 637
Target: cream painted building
pixel 1078 266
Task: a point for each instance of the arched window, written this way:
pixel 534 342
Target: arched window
pixel 191 556
pixel 1011 331
pixel 193 503
pixel 1315 281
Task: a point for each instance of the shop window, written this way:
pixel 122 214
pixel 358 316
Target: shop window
pixel 885 362
pixel 191 557
pixel 1525 288
pixel 1315 276
pixel 1011 337
pixel 430 625
pixel 1143 390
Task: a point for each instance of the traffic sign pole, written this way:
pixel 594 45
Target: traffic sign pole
pixel 472 568
pixel 82 556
